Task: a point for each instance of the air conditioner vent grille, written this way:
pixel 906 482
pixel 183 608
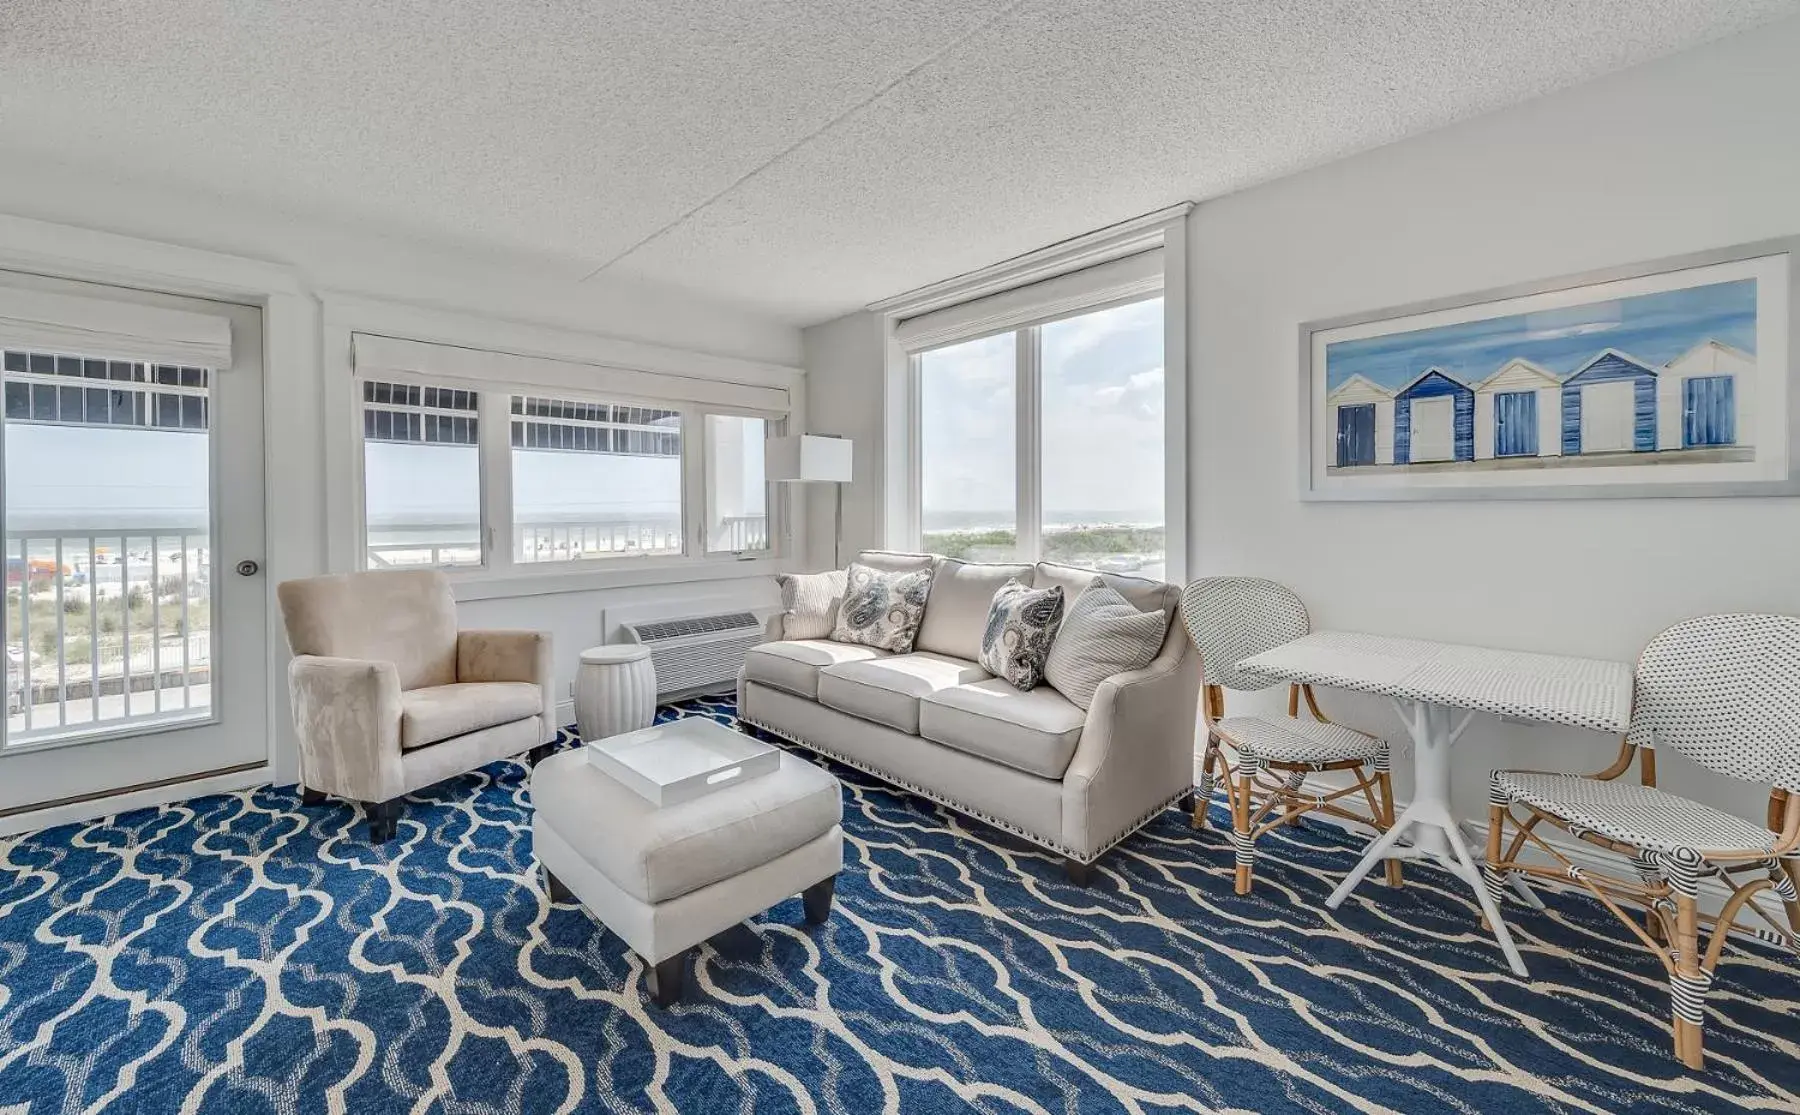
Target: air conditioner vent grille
pixel 698 625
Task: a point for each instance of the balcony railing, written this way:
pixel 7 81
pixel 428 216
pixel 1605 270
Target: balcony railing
pixel 106 628
pixel 453 544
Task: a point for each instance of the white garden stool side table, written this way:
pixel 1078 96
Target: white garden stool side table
pixel 615 690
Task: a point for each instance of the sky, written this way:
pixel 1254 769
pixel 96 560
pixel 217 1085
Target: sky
pixel 1102 393
pixel 1652 327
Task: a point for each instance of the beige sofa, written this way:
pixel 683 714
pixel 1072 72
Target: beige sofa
pixel 389 696
pixel 936 723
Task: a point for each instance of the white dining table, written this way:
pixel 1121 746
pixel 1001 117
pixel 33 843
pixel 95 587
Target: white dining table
pixel 1437 688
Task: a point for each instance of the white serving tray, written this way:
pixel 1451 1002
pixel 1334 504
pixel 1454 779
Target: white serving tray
pixel 685 759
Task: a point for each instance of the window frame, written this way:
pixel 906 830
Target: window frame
pixel 1028 479
pixel 498 570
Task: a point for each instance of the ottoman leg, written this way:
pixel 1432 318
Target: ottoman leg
pixel 310 796
pixel 668 978
pixel 557 889
pixel 818 900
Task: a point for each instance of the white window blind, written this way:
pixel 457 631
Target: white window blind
pixel 1119 280
pixel 37 321
pixel 376 357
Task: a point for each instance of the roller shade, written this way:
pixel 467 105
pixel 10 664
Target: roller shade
pixel 76 325
pixel 376 356
pixel 1135 276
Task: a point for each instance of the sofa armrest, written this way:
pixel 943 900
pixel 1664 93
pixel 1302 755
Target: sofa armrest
pixel 511 656
pixel 774 627
pixel 1137 750
pixel 347 715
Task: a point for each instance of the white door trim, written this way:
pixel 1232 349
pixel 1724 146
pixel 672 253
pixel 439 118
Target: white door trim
pixel 292 445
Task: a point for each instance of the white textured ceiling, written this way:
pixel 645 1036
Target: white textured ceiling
pixel 794 157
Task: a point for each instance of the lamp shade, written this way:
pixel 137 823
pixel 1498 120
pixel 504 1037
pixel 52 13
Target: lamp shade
pixel 808 457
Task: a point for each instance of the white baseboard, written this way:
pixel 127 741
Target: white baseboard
pixel 565 714
pixel 93 810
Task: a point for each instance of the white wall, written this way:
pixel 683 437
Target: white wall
pixel 1692 152
pixel 844 360
pixel 303 505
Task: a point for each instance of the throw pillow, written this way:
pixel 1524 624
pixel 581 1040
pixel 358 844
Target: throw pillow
pixel 1021 625
pixel 882 610
pixel 810 603
pixel 1103 634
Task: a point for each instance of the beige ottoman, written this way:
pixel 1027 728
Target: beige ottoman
pixel 665 879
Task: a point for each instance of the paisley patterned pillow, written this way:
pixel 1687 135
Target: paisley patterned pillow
pixel 882 609
pixel 1021 625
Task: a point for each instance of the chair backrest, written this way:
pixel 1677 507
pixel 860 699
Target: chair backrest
pixel 1724 690
pixel 1232 618
pixel 407 617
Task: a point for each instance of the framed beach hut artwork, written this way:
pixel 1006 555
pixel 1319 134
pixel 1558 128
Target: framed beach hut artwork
pixel 1668 378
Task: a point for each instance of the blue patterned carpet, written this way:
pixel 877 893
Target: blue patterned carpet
pixel 238 953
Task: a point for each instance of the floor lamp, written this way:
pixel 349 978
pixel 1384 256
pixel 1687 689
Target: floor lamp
pixel 813 459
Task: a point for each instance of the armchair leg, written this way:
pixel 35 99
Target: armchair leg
pixel 384 818
pixel 310 796
pixel 1081 874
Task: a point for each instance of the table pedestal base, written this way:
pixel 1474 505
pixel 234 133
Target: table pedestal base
pixel 1434 834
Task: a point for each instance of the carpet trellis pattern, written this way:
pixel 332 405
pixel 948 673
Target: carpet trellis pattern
pixel 239 953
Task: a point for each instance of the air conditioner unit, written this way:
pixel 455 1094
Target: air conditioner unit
pixel 697 654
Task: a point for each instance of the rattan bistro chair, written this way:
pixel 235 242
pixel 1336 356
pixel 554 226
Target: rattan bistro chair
pixel 1724 690
pixel 1230 619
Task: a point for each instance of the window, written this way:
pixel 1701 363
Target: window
pixel 1101 436
pixel 737 495
pixel 1046 442
pixel 594 480
pixel 968 460
pixel 421 475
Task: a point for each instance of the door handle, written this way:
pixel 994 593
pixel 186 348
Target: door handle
pixel 248 568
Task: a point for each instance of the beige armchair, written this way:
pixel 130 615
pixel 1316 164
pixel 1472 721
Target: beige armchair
pixel 389 696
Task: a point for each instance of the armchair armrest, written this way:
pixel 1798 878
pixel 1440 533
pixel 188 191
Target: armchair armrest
pixel 347 715
pixel 510 656
pixel 1137 750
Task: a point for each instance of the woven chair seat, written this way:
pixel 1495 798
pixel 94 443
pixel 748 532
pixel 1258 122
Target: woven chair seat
pixel 1306 742
pixel 1641 816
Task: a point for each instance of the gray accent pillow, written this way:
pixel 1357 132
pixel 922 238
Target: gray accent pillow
pixel 810 603
pixel 1021 625
pixel 882 610
pixel 1103 634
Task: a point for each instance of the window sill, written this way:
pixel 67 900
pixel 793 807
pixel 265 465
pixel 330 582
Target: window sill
pixel 624 573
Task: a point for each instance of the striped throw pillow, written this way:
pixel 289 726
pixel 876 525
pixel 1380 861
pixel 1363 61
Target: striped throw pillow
pixel 1102 634
pixel 809 603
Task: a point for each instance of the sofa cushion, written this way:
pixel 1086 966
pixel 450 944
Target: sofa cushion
pixel 1146 595
pixel 957 612
pixel 793 665
pixel 887 691
pixel 897 561
pixel 882 609
pixel 1034 731
pixel 810 603
pixel 441 712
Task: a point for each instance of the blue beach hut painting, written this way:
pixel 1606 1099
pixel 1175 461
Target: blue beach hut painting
pixel 1569 387
pixel 1434 420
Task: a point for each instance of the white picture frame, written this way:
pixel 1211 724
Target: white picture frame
pixel 1675 377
